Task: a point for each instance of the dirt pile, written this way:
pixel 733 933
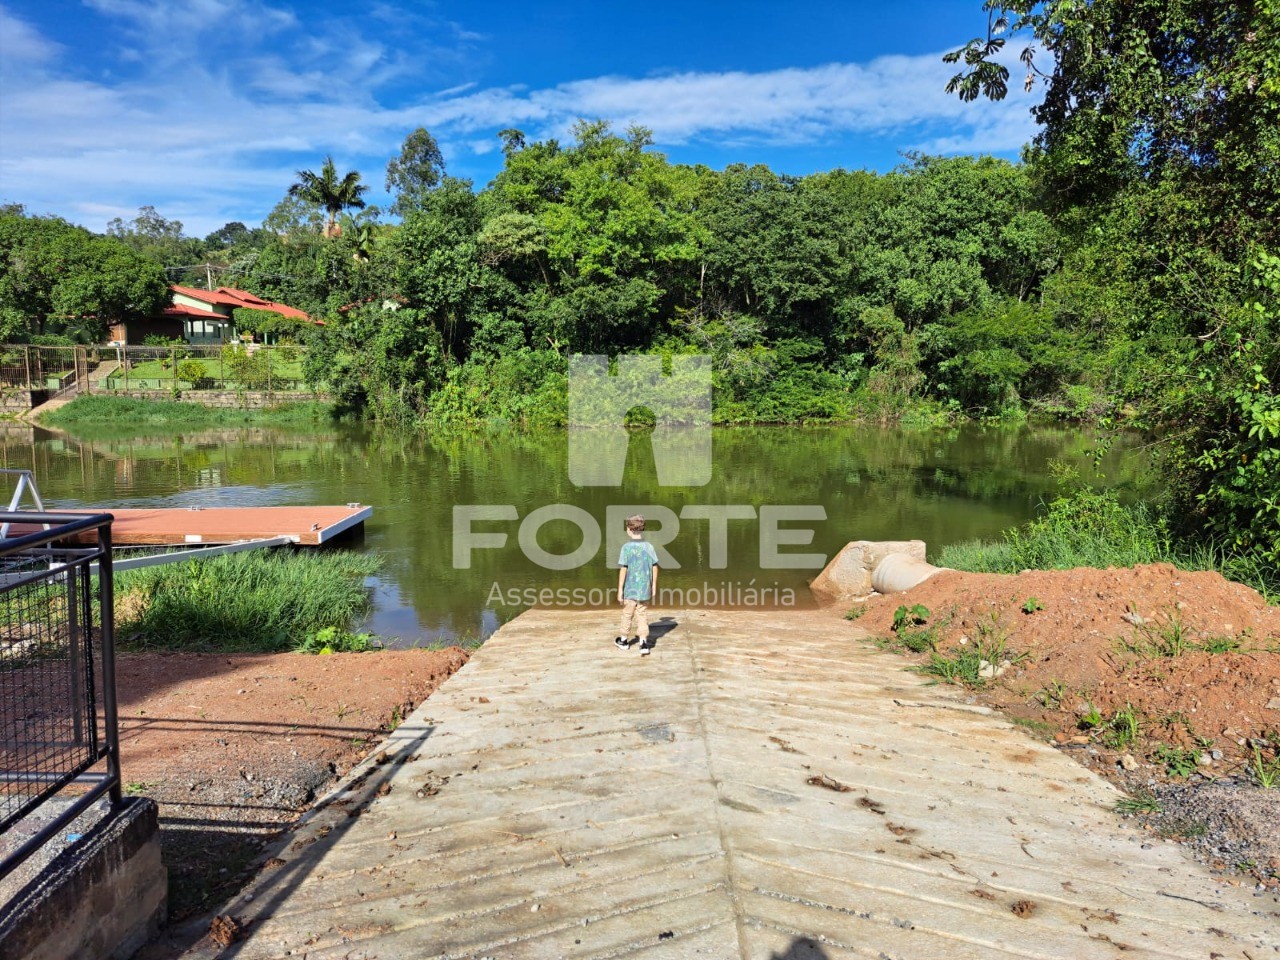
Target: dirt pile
pixel 1155 676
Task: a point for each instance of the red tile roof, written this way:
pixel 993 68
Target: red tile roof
pixel 231 297
pixel 178 310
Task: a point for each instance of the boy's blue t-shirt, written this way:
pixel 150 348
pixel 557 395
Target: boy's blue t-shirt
pixel 639 558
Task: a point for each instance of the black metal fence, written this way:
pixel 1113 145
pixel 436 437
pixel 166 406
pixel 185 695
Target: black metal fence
pixel 57 670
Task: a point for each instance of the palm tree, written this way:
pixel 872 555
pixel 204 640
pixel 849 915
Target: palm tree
pixel 327 191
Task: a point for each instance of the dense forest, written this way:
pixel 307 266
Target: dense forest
pixel 1125 272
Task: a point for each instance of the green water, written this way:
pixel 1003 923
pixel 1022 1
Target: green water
pixel 938 485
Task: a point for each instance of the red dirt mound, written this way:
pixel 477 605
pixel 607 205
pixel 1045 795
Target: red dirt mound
pixel 1114 639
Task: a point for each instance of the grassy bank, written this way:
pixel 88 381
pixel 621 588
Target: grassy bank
pixel 106 410
pixel 1088 529
pixel 245 602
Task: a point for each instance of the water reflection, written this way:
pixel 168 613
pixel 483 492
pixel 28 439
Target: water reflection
pixel 874 483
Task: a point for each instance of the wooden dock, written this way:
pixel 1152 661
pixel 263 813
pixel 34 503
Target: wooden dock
pixel 178 526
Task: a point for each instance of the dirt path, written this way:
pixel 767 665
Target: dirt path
pixel 234 747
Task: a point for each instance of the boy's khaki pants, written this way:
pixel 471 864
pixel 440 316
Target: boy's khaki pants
pixel 637 610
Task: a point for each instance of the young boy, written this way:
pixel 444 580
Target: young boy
pixel 637 584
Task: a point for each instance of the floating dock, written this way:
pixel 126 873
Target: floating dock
pixel 188 526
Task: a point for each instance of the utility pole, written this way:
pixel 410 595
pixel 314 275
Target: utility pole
pixel 208 275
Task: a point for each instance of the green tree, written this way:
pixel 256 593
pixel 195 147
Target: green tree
pixel 330 192
pixel 56 278
pixel 1159 151
pixel 415 172
pixel 1184 91
pixel 158 238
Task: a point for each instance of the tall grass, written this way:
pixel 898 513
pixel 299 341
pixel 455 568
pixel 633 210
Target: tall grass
pixel 107 410
pixel 1089 529
pixel 255 601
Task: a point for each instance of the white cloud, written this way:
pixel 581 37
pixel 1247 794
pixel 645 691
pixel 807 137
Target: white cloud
pixel 22 44
pixel 220 138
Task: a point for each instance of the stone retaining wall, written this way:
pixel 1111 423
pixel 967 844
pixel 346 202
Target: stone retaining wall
pixel 20 401
pixel 242 399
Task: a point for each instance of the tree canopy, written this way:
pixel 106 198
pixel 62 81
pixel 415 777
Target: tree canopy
pixel 330 192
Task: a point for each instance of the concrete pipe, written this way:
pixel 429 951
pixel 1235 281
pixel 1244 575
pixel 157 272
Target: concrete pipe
pixel 899 571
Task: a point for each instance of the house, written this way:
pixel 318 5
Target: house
pixel 201 316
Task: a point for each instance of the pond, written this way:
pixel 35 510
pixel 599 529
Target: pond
pixel 841 483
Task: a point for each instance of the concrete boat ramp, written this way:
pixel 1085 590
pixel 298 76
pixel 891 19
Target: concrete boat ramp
pixel 763 786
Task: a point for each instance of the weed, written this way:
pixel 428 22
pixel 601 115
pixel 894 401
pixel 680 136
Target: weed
pixel 1052 695
pixel 1183 828
pixel 1090 719
pixel 914 616
pixel 1220 644
pixel 255 601
pixel 968 664
pixel 328 640
pixel 1143 801
pixel 1267 773
pixel 1032 605
pixel 138 786
pixel 906 621
pixel 1170 638
pixel 1178 762
pixel 1122 729
pixel 854 613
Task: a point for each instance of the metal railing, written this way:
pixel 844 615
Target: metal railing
pixel 189 368
pixel 57 671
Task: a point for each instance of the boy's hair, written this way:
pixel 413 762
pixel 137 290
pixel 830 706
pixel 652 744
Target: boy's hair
pixel 635 524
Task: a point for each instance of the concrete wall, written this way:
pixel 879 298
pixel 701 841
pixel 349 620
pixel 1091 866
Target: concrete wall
pixel 100 899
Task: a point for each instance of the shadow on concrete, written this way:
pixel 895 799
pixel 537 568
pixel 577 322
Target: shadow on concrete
pixel 802 948
pixel 293 859
pixel 661 627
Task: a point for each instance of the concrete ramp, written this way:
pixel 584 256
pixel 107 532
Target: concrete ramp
pixel 763 786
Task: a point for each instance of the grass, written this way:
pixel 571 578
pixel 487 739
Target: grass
pixel 1266 772
pixel 1038 727
pixel 1122 729
pixel 907 624
pixel 1168 636
pixel 1141 802
pixel 1052 695
pixel 281 370
pixel 259 601
pixel 134 412
pixel 1088 529
pixel 964 665
pixel 1220 644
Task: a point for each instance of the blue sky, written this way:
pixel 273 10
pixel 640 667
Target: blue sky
pixel 206 108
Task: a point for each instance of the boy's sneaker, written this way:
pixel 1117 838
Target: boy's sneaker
pixel 646 647
pixel 622 642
